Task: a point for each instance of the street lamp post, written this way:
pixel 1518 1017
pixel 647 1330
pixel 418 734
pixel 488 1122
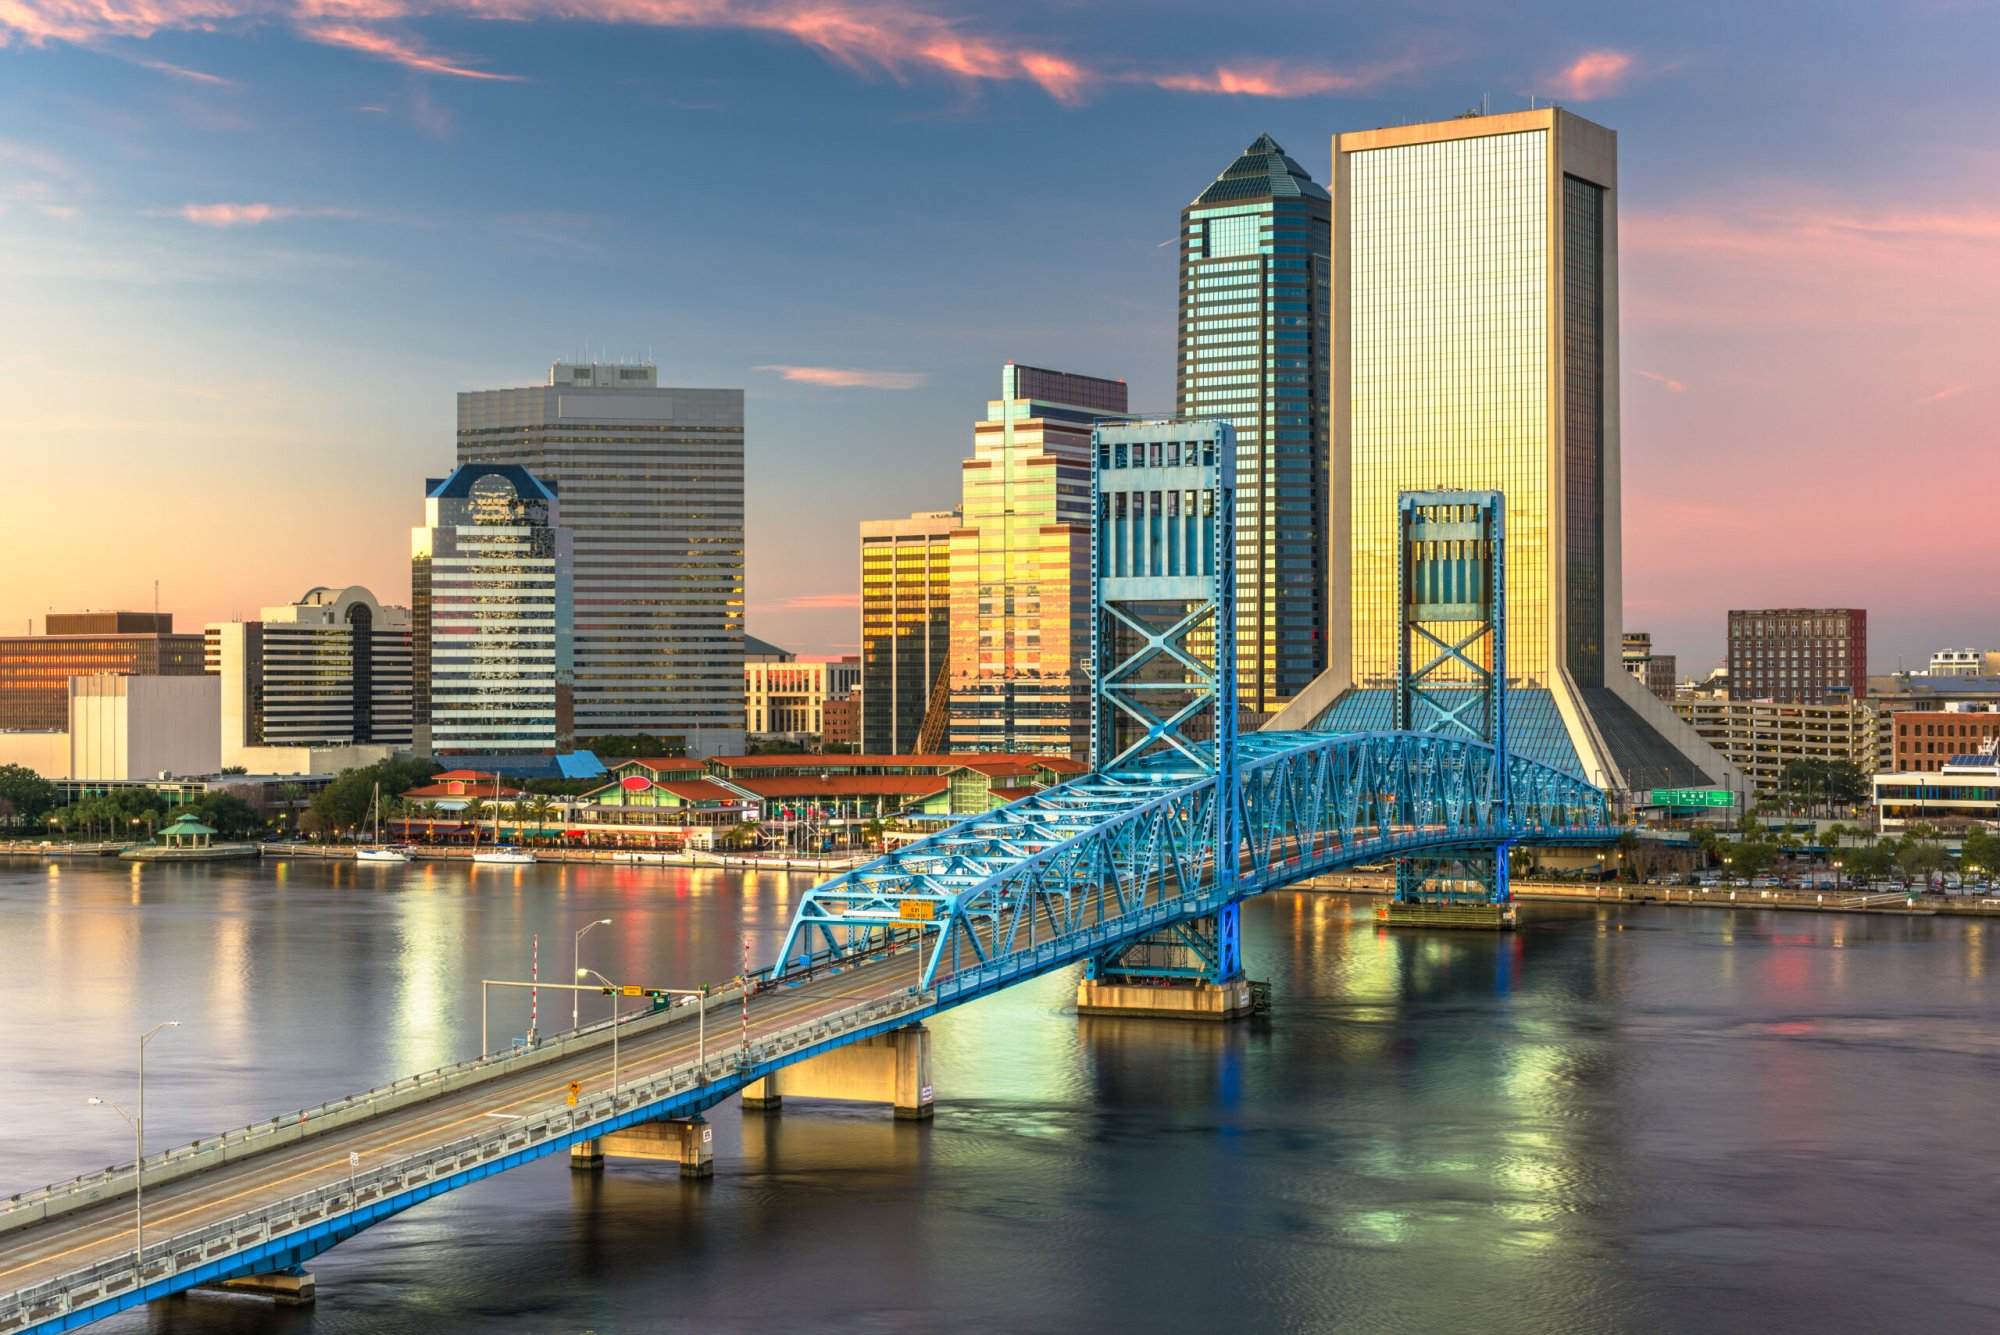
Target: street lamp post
pixel 138 1124
pixel 616 992
pixel 577 963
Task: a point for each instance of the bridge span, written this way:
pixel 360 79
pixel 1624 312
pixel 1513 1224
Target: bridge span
pixel 1058 878
pixel 1136 870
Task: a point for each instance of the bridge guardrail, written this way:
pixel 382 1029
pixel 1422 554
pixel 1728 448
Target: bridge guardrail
pixel 172 1164
pixel 204 1246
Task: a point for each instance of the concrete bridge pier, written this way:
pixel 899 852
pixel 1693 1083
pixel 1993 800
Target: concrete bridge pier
pixel 290 1287
pixel 1189 971
pixel 892 1068
pixel 689 1142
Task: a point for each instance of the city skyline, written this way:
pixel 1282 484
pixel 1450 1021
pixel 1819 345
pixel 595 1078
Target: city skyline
pixel 247 276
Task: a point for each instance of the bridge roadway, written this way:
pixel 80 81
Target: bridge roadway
pixel 34 1253
pixel 283 1204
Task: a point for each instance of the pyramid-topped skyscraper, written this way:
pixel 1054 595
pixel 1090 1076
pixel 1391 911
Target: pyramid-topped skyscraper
pixel 1253 351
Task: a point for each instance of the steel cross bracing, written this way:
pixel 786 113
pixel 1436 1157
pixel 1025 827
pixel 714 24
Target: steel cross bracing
pixel 1104 859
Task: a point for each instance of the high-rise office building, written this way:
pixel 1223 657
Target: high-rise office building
pixel 1658 673
pixel 1020 567
pixel 652 489
pixel 1255 275
pixel 328 672
pixel 35 669
pixel 1798 654
pixel 1475 345
pixel 905 627
pixel 490 584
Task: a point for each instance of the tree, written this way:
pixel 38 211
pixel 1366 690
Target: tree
pixel 1846 782
pixel 1918 857
pixel 1752 857
pixel 1628 849
pixel 1869 862
pixel 1980 853
pixel 230 815
pixel 27 794
pixel 343 803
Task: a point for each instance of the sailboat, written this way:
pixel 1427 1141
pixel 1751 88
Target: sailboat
pixel 375 850
pixel 502 855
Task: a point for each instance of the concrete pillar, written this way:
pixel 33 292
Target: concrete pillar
pixel 892 1068
pixel 762 1095
pixel 913 1074
pixel 586 1156
pixel 287 1288
pixel 1166 999
pixel 689 1143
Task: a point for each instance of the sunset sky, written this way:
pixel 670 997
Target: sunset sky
pixel 249 249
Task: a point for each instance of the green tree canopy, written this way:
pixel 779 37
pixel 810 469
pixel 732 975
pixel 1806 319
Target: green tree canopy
pixel 27 795
pixel 1980 853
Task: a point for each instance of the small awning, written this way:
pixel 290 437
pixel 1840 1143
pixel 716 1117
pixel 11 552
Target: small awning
pixel 188 825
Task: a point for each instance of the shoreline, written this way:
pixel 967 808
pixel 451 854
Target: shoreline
pixel 1366 886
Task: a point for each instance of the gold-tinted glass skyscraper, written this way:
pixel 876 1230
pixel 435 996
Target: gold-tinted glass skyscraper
pixel 905 626
pixel 1020 567
pixel 1475 345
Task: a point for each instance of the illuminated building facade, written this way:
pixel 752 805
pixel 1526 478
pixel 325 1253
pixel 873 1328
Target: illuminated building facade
pixel 905 625
pixel 35 669
pixel 1255 273
pixel 331 670
pixel 491 615
pixel 1475 346
pixel 1020 567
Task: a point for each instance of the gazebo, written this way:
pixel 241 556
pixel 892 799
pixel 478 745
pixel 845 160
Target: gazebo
pixel 187 832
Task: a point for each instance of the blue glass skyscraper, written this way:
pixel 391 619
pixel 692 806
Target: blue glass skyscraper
pixel 1255 287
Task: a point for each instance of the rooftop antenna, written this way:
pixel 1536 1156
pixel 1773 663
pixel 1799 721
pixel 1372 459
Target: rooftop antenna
pixel 1486 103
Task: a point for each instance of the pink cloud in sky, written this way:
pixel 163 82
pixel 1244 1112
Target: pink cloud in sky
pixel 1672 385
pixel 1263 79
pixel 834 377
pixel 1592 75
pixel 180 72
pixel 892 37
pixel 234 215
pixel 375 42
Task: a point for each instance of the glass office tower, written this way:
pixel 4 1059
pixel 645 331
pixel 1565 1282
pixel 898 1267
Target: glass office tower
pixel 1020 567
pixel 652 486
pixel 491 615
pixel 1475 345
pixel 905 628
pixel 1255 274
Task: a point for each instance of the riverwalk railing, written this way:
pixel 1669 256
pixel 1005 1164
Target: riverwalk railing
pixel 269 1227
pixel 86 1189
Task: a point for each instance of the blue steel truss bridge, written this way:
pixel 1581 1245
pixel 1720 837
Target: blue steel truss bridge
pixel 1135 871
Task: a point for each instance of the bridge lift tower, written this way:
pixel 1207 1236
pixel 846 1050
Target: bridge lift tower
pixel 1163 686
pixel 1451 678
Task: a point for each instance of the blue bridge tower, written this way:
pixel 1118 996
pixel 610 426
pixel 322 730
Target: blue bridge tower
pixel 1163 657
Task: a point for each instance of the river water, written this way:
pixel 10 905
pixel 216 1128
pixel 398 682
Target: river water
pixel 1614 1120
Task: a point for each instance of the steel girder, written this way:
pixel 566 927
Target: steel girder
pixel 1105 859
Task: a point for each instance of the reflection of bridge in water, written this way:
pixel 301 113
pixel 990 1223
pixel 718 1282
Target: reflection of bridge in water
pixel 1137 870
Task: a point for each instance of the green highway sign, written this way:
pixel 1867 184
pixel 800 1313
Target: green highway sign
pixel 1693 797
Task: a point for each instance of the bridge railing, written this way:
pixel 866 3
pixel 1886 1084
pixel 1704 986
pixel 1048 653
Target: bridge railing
pixel 179 1161
pixel 212 1244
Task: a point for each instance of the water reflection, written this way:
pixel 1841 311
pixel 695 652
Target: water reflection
pixel 1598 1123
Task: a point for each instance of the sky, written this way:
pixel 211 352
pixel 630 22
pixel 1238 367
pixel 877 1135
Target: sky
pixel 250 249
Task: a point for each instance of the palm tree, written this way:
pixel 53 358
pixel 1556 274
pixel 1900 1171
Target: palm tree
pixel 538 811
pixel 475 811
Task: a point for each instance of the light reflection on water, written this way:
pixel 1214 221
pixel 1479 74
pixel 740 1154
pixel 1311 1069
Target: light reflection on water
pixel 1615 1119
